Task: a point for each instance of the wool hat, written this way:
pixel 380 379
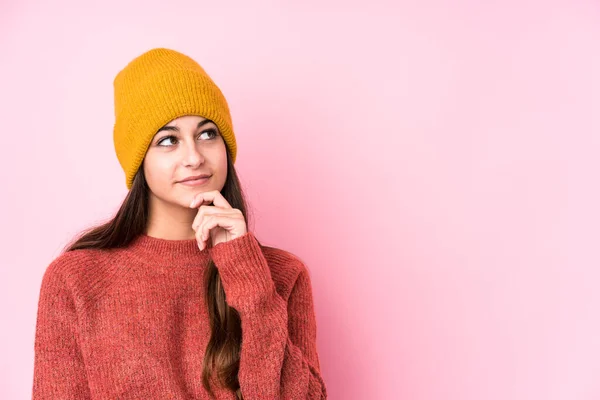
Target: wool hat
pixel 155 88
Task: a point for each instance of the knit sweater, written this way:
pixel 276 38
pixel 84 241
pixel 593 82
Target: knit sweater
pixel 132 322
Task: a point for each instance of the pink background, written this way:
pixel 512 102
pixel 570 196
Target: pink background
pixel 435 163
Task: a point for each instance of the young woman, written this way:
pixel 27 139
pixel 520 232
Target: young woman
pixel 174 298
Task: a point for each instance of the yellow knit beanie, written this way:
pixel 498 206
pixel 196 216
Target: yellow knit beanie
pixel 155 88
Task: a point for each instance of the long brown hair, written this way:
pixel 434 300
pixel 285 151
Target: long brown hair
pixel 222 356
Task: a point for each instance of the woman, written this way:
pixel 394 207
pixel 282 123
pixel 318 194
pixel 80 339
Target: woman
pixel 173 298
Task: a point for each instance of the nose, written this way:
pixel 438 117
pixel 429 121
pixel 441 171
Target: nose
pixel 192 156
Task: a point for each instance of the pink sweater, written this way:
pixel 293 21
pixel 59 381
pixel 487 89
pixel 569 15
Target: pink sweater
pixel 132 323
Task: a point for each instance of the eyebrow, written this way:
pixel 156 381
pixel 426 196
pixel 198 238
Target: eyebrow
pixel 176 129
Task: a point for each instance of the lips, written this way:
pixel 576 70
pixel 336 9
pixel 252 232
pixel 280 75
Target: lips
pixel 195 177
pixel 195 182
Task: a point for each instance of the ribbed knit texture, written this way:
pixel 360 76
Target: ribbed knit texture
pixel 155 88
pixel 132 323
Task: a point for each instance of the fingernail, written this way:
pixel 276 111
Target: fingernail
pixel 192 203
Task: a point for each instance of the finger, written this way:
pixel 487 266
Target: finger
pixel 201 240
pixel 213 196
pixel 198 201
pixel 210 210
pixel 206 210
pixel 224 221
pixel 202 236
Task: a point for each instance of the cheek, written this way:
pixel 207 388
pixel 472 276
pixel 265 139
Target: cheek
pixel 223 164
pixel 157 172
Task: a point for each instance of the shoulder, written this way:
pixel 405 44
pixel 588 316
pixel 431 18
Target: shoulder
pixel 288 270
pixel 76 271
pixel 69 265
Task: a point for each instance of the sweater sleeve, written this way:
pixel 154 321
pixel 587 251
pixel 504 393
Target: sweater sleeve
pixel 59 371
pixel 279 358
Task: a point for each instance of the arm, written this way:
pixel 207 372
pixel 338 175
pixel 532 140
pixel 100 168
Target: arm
pixel 59 371
pixel 279 357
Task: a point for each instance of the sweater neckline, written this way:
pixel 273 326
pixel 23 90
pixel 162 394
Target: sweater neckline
pixel 181 252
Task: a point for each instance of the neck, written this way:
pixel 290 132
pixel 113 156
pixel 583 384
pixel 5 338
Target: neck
pixel 169 221
pixel 172 252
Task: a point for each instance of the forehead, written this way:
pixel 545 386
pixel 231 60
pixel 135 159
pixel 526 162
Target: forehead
pixel 186 120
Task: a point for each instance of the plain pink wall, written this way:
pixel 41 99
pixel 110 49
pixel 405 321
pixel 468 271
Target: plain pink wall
pixel 435 163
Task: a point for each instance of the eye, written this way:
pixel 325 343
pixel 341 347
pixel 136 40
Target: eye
pixel 211 131
pixel 163 139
